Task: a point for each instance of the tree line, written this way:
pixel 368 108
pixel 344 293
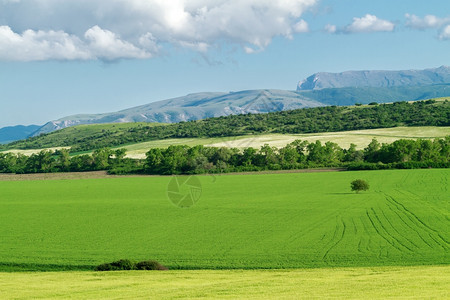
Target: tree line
pixel 309 120
pixel 199 159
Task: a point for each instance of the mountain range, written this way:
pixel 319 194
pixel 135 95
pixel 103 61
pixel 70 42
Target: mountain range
pixel 320 89
pixel 376 79
pixel 14 133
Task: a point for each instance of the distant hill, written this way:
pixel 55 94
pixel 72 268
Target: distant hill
pixel 194 107
pixel 376 79
pixel 366 95
pixel 206 105
pixel 311 120
pixel 14 133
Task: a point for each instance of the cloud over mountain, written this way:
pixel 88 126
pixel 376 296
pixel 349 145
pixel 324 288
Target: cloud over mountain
pixel 108 30
pixel 445 33
pixel 369 23
pixel 428 21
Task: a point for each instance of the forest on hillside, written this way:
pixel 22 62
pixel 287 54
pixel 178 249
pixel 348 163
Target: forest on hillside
pixel 311 120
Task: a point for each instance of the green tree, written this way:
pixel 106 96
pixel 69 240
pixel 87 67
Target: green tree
pixel 371 151
pixel 62 161
pixel 102 158
pixel 359 185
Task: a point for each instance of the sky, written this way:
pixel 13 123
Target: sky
pixel 59 58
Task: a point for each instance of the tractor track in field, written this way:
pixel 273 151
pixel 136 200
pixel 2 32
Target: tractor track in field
pixel 388 233
pixel 377 230
pixel 432 233
pixel 398 233
pixel 401 218
pixel 338 236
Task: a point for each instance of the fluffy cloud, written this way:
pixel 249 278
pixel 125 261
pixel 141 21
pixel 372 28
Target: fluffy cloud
pixel 445 33
pixel 301 26
pixel 429 21
pixel 83 29
pixel 330 28
pixel 369 23
pixel 44 45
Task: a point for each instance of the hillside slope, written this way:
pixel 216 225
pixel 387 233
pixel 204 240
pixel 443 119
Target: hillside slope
pixel 194 107
pixel 206 105
pixel 376 79
pixel 320 119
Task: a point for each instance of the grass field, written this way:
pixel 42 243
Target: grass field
pixel 241 221
pixel 431 282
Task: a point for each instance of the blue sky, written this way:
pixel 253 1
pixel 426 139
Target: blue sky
pixel 59 58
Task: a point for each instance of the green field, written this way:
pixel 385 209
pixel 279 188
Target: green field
pixel 291 220
pixel 430 282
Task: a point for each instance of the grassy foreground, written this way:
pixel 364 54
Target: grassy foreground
pixel 240 221
pixel 347 283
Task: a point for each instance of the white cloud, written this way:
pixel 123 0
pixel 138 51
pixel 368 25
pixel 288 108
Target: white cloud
pixel 249 50
pixel 445 33
pixel 57 45
pixel 330 28
pixel 135 28
pixel 301 26
pixel 429 21
pixel 39 45
pixel 369 23
pixel 107 45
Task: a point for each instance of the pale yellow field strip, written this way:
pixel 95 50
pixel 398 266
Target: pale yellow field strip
pixel 422 282
pixel 361 138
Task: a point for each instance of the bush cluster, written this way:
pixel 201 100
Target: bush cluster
pixel 126 264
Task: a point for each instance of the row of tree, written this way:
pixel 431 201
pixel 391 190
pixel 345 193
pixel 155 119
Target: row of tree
pixel 298 155
pixel 48 161
pixel 199 159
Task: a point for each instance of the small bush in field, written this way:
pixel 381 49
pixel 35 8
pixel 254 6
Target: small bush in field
pixel 150 265
pixel 126 264
pixel 359 185
pixel 123 264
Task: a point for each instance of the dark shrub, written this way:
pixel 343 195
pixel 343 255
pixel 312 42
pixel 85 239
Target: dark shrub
pixel 150 265
pixel 359 185
pixel 123 264
pixel 126 264
pixel 103 267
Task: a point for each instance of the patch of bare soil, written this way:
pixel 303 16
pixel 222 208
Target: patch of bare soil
pixel 104 174
pixel 54 176
pixel 285 171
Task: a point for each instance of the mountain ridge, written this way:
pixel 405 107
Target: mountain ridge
pixel 206 105
pixel 320 89
pixel 375 78
pixel 18 132
pixel 194 107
